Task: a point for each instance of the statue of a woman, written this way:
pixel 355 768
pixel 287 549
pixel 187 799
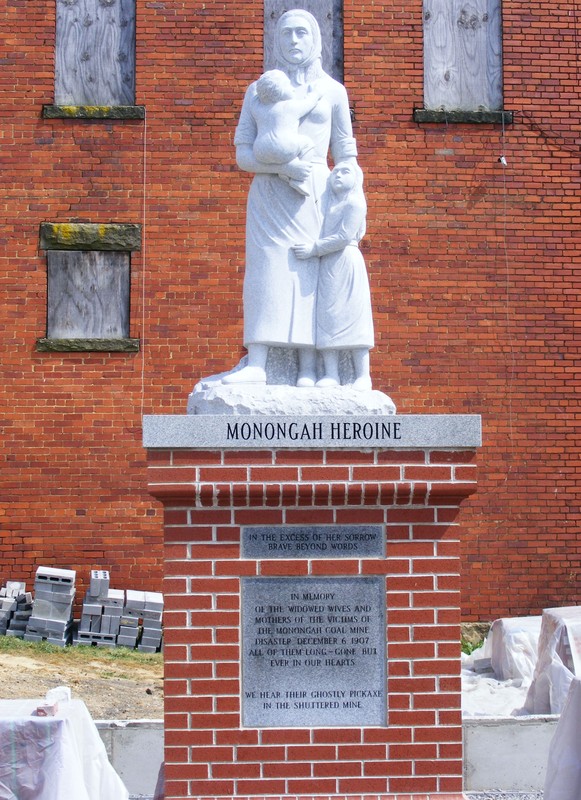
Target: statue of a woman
pixel 280 288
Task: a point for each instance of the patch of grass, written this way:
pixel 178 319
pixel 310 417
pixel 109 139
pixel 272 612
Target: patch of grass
pixel 111 673
pixel 469 647
pixel 473 635
pixel 81 655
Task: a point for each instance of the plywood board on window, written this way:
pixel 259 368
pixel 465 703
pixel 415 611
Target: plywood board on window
pixel 95 52
pixel 88 294
pixel 462 55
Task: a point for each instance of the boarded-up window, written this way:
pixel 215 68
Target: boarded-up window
pixel 462 55
pixel 89 283
pixel 329 15
pixel 95 52
pixel 88 295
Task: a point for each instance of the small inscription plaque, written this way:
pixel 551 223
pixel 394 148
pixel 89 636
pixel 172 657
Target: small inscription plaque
pixel 313 652
pixel 313 541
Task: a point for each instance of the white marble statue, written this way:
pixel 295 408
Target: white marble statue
pixel 277 117
pixel 308 327
pixel 344 320
pixel 280 288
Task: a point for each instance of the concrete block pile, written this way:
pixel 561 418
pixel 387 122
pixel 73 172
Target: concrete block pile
pixel 52 609
pixel 142 621
pixel 102 609
pixel 110 617
pixel 15 609
pixel 113 617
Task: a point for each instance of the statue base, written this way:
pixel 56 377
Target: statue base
pixel 286 400
pixel 280 395
pixel 358 706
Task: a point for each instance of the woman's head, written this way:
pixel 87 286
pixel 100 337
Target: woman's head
pixel 297 41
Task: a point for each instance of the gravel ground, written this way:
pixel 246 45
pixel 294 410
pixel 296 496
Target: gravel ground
pixel 493 795
pixel 504 795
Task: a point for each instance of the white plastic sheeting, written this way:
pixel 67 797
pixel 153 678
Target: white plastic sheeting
pixel 511 648
pixel 532 661
pixel 563 779
pixel 485 696
pixel 51 758
pixel 558 655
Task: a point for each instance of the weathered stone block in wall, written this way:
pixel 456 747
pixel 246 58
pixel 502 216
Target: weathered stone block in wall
pixel 90 236
pixel 93 112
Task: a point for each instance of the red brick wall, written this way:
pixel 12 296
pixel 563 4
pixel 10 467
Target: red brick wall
pixel 207 496
pixel 472 267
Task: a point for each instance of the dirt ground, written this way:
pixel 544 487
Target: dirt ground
pixel 110 690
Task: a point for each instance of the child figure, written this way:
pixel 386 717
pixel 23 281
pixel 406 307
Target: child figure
pixel 277 116
pixel 344 320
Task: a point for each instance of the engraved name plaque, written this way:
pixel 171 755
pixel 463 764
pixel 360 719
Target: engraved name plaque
pixel 313 652
pixel 313 541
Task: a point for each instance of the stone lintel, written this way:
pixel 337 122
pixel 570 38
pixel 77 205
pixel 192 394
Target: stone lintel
pixel 463 117
pixel 116 236
pixel 87 345
pixel 93 112
pixel 399 431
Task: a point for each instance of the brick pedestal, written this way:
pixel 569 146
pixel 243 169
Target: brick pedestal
pixel 208 496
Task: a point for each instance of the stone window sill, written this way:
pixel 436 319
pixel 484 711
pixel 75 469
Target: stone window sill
pixel 87 345
pixel 93 112
pixel 465 117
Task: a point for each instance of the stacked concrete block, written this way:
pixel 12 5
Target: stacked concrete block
pixel 7 609
pixel 130 628
pixel 141 623
pixel 9 597
pixel 117 617
pixel 13 589
pixel 23 610
pixel 129 632
pixel 15 609
pixel 102 609
pixel 152 635
pixel 52 609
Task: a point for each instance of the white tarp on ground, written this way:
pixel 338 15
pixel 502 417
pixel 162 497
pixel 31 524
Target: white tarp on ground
pixel 485 696
pixel 510 651
pixel 531 662
pixel 563 780
pixel 557 662
pixel 512 646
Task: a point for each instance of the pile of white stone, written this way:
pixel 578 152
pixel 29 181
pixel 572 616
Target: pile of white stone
pixel 127 618
pixel 15 609
pixel 110 617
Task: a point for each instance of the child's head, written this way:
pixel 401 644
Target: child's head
pixel 273 85
pixel 345 176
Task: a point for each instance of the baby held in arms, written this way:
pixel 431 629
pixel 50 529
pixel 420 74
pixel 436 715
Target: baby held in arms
pixel 277 114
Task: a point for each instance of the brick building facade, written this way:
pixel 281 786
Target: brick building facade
pixel 473 265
